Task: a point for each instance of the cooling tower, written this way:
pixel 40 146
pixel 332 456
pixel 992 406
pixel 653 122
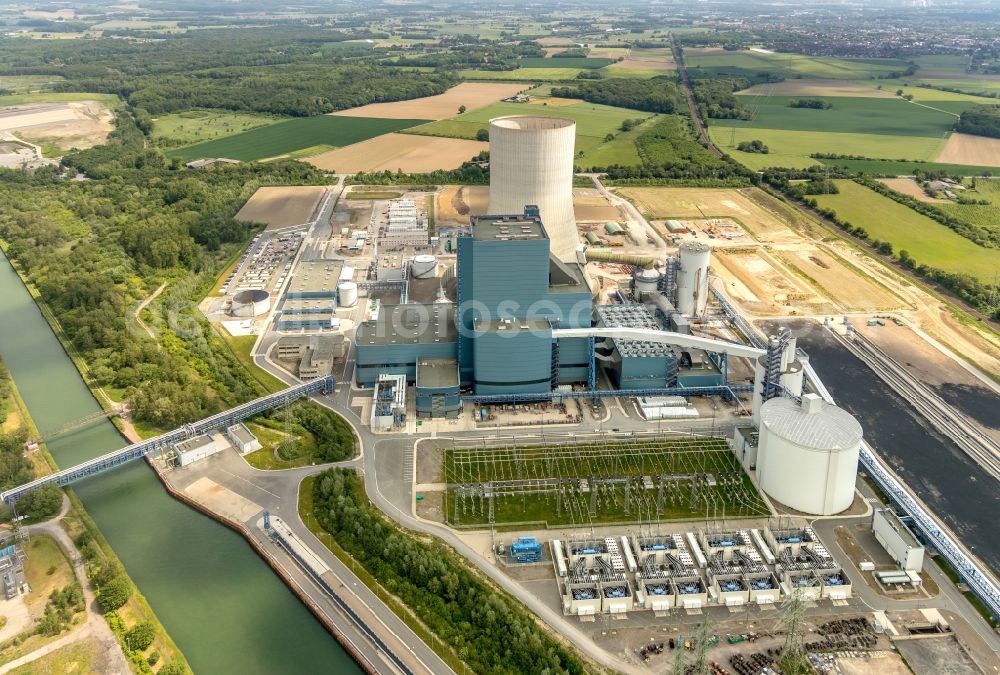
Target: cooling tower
pixel 531 162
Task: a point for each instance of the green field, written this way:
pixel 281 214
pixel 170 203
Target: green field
pixel 109 100
pixel 792 148
pixel 894 168
pixel 621 150
pixel 984 87
pixel 523 74
pixel 593 123
pixel 196 126
pixel 926 240
pixel 854 115
pixel 581 62
pixel 884 128
pixel 281 138
pixel 611 470
pixel 751 64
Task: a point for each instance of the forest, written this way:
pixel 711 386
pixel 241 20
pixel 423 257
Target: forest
pixel 716 99
pixel 982 120
pixel 658 94
pixel 281 71
pixel 489 630
pixel 95 248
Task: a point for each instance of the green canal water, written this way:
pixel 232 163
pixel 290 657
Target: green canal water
pixel 219 601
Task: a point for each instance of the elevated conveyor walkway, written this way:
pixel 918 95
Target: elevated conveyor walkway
pixel 149 446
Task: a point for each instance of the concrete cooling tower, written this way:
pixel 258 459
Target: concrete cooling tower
pixel 531 162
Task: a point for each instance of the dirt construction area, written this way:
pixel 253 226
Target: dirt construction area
pixel 972 150
pixel 472 95
pixel 408 153
pixel 591 206
pixel 282 206
pixel 686 203
pixel 76 124
pixel 455 203
pixel 909 187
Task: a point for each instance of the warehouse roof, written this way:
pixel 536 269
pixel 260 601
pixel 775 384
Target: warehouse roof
pixel 315 276
pixel 813 424
pixel 409 324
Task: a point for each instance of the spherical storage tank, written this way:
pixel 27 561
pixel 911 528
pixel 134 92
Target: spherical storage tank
pixel 807 456
pixel 251 303
pixel 531 162
pixel 692 279
pixel 347 294
pixel 423 266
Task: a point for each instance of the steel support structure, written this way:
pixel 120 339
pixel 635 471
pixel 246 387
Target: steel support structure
pixel 727 392
pixel 149 446
pixel 592 367
pixel 741 324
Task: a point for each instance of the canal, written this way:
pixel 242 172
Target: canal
pixel 219 601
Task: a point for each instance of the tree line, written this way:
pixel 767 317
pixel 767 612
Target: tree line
pixel 489 630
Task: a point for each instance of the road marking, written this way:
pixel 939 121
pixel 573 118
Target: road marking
pixel 250 482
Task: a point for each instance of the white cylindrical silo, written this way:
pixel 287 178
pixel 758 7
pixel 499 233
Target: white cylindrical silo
pixel 645 281
pixel 254 302
pixel 807 457
pixel 347 294
pixel 692 278
pixel 423 266
pixel 531 163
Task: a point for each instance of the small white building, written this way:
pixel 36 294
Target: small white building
pixel 195 449
pixel 898 540
pixel 242 439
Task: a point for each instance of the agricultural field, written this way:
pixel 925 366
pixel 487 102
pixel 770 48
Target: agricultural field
pixel 866 115
pixel 792 148
pixel 642 63
pixel 554 73
pixel 281 206
pixel 896 168
pixel 405 152
pixel 593 122
pixel 751 63
pixel 282 138
pixel 969 149
pixel 599 482
pixel 473 95
pixel 581 62
pixel 926 240
pixel 817 87
pixel 196 126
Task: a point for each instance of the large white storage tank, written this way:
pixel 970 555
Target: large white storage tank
pixel 423 266
pixel 692 279
pixel 254 302
pixel 347 294
pixel 807 456
pixel 531 162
